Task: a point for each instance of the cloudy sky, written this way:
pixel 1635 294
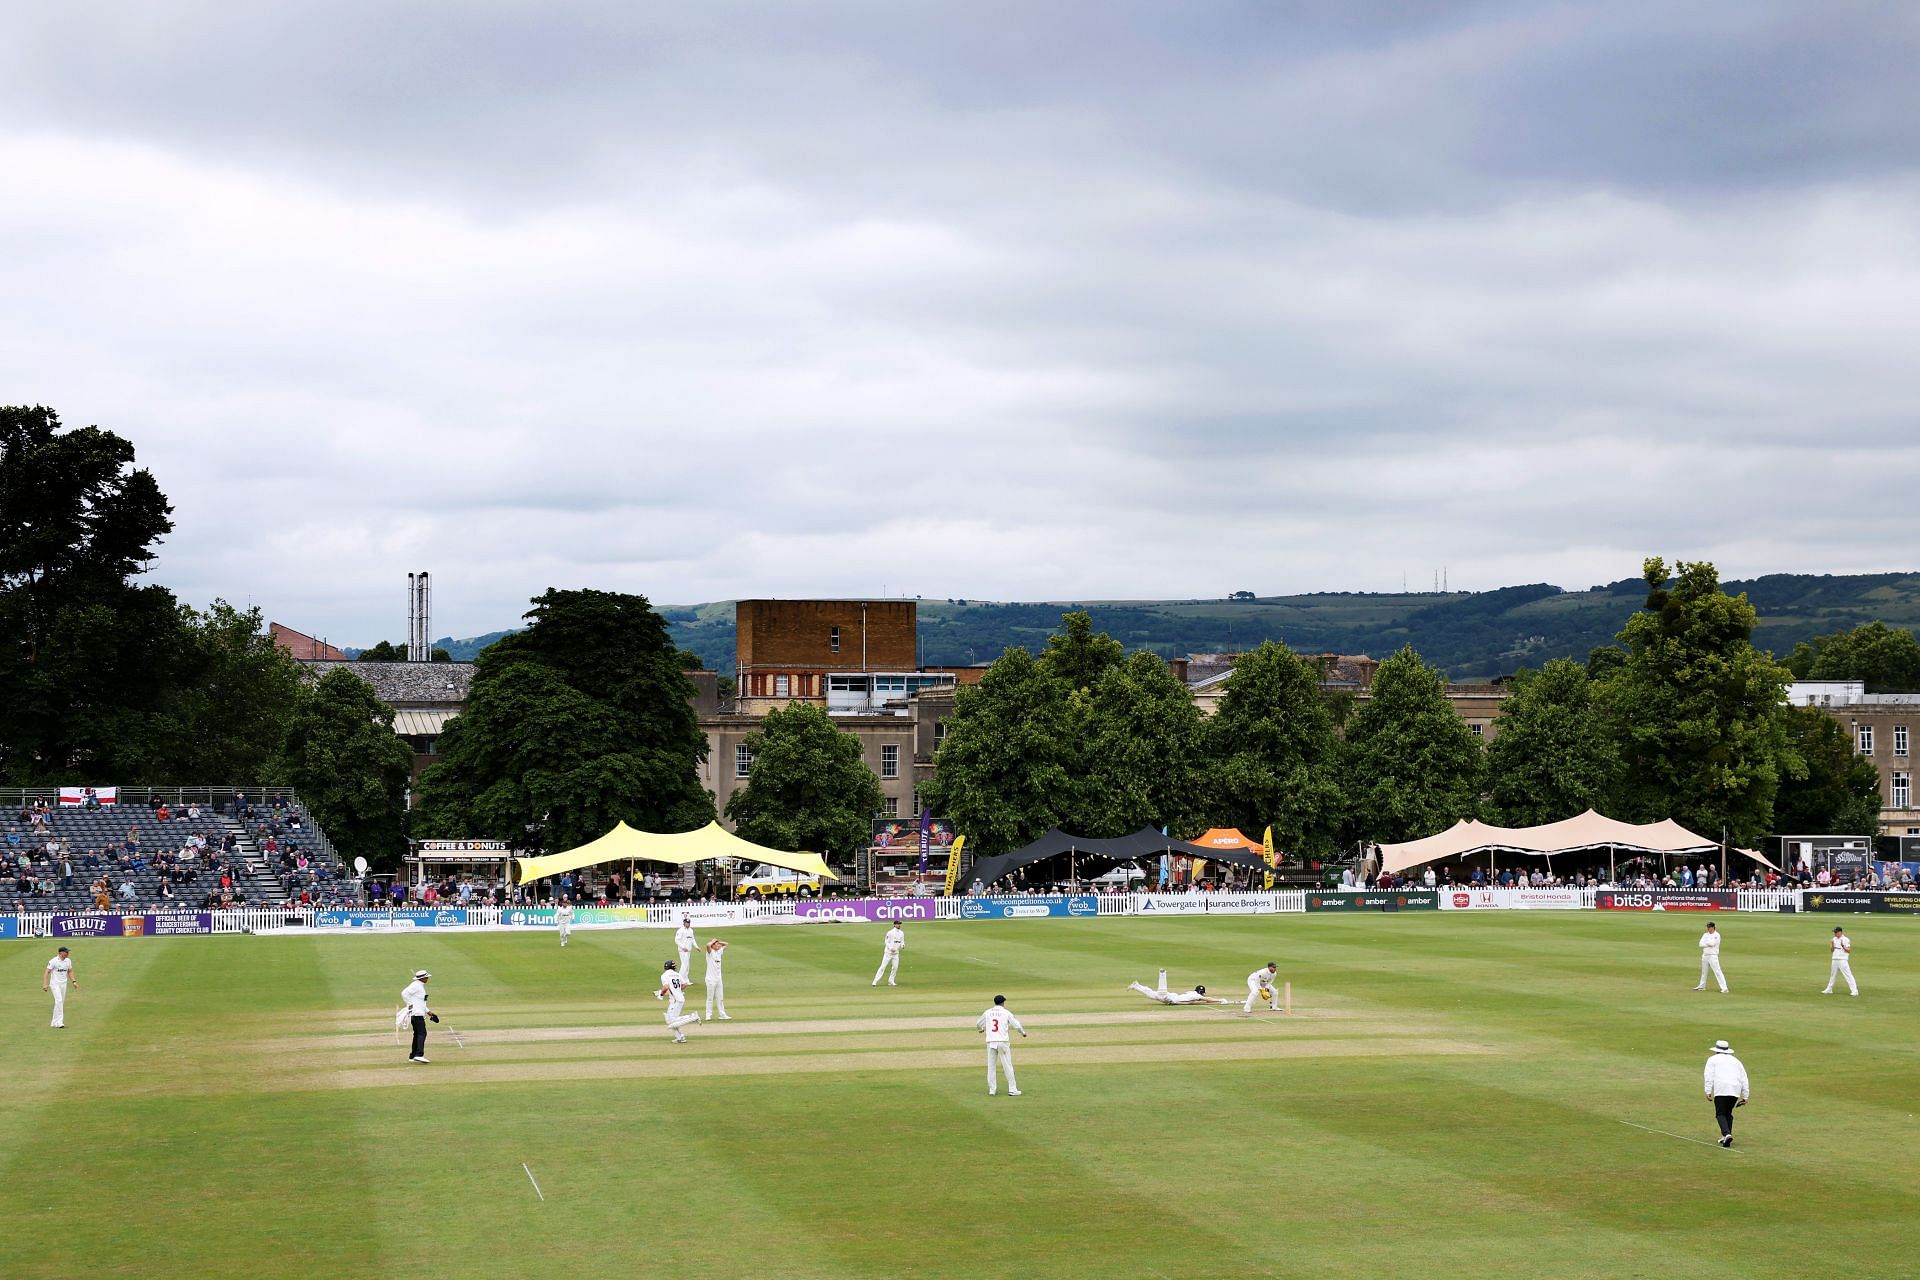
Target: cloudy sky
pixel 979 299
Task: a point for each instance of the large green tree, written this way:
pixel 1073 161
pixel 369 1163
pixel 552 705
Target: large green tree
pixel 1887 658
pixel 810 789
pixel 350 769
pixel 88 657
pixel 1274 753
pixel 1077 655
pixel 1555 754
pixel 1139 740
pixel 1005 769
pixel 583 719
pixel 1833 789
pixel 225 720
pixel 1699 711
pixel 1411 765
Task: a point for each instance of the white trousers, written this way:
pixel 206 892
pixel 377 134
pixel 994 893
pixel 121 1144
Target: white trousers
pixel 678 1017
pixel 1149 992
pixel 686 955
pixel 1842 968
pixel 716 991
pixel 1710 963
pixel 1257 992
pixel 1001 1054
pixel 887 958
pixel 59 1003
pixel 566 931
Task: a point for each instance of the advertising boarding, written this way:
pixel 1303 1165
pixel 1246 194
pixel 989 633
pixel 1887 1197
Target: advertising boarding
pixel 1666 900
pixel 174 924
pixel 1028 908
pixel 1902 904
pixel 1195 904
pixel 9 926
pixel 406 918
pixel 88 926
pixel 1395 900
pixel 1510 900
pixel 853 910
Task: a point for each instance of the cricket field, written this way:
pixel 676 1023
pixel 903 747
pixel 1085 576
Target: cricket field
pixel 1485 1095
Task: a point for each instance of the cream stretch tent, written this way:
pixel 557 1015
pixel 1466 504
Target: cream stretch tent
pixel 1590 830
pixel 624 844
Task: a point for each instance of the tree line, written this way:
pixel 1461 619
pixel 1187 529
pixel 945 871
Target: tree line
pixel 585 717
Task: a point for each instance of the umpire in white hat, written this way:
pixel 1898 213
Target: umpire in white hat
pixel 414 997
pixel 1726 1087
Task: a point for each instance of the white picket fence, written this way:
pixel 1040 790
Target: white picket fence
pixel 667 914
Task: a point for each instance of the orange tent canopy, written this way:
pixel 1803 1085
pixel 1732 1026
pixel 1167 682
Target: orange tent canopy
pixel 1227 838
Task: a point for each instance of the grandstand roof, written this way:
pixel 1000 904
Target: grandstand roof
pixel 401 684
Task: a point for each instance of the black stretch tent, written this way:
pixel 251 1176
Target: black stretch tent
pixel 1103 855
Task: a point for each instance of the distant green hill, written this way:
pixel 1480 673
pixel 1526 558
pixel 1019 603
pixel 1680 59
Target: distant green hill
pixel 469 649
pixel 1467 634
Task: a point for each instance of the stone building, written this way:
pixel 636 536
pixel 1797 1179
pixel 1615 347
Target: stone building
pixel 1882 727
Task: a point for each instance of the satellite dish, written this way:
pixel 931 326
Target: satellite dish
pixel 360 867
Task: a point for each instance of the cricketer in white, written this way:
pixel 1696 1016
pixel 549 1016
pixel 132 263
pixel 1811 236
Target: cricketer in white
pixel 59 973
pixel 716 988
pixel 1710 959
pixel 995 1024
pixel 683 943
pixel 896 942
pixel 673 989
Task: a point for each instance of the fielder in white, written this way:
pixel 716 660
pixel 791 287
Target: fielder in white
pixel 1260 987
pixel 896 943
pixel 563 917
pixel 684 944
pixel 1842 964
pixel 995 1023
pixel 1710 959
pixel 673 989
pixel 716 988
pixel 59 973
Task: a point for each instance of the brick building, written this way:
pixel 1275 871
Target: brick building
pixel 306 648
pixel 1883 727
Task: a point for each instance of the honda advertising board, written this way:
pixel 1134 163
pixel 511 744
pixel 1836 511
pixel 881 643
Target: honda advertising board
pixel 1510 900
pixel 865 909
pixel 1905 904
pixel 1666 900
pixel 1423 900
pixel 1028 908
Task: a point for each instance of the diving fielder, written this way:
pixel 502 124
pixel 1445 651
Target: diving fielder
pixel 1842 966
pixel 59 973
pixel 673 989
pixel 716 988
pixel 683 943
pixel 896 943
pixel 563 917
pixel 1260 987
pixel 995 1023
pixel 1710 959
pixel 1196 996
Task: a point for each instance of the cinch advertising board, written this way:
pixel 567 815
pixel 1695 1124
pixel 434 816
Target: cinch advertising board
pixel 1905 904
pixel 1028 908
pixel 866 909
pixel 408 918
pixel 1666 900
pixel 1423 900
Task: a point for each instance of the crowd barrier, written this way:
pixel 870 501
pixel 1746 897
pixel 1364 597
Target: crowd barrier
pixel 667 915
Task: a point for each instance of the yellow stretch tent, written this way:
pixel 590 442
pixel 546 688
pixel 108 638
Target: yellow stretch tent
pixel 624 844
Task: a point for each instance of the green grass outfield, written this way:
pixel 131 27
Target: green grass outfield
pixel 1446 1101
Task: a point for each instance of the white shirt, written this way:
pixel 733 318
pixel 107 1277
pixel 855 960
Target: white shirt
pixel 563 914
pixel 1841 946
pixel 1260 978
pixel 1726 1077
pixel 60 967
pixel 713 962
pixel 415 998
pixel 1710 945
pixel 675 984
pixel 997 1022
pixel 896 938
pixel 1182 997
pixel 683 938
